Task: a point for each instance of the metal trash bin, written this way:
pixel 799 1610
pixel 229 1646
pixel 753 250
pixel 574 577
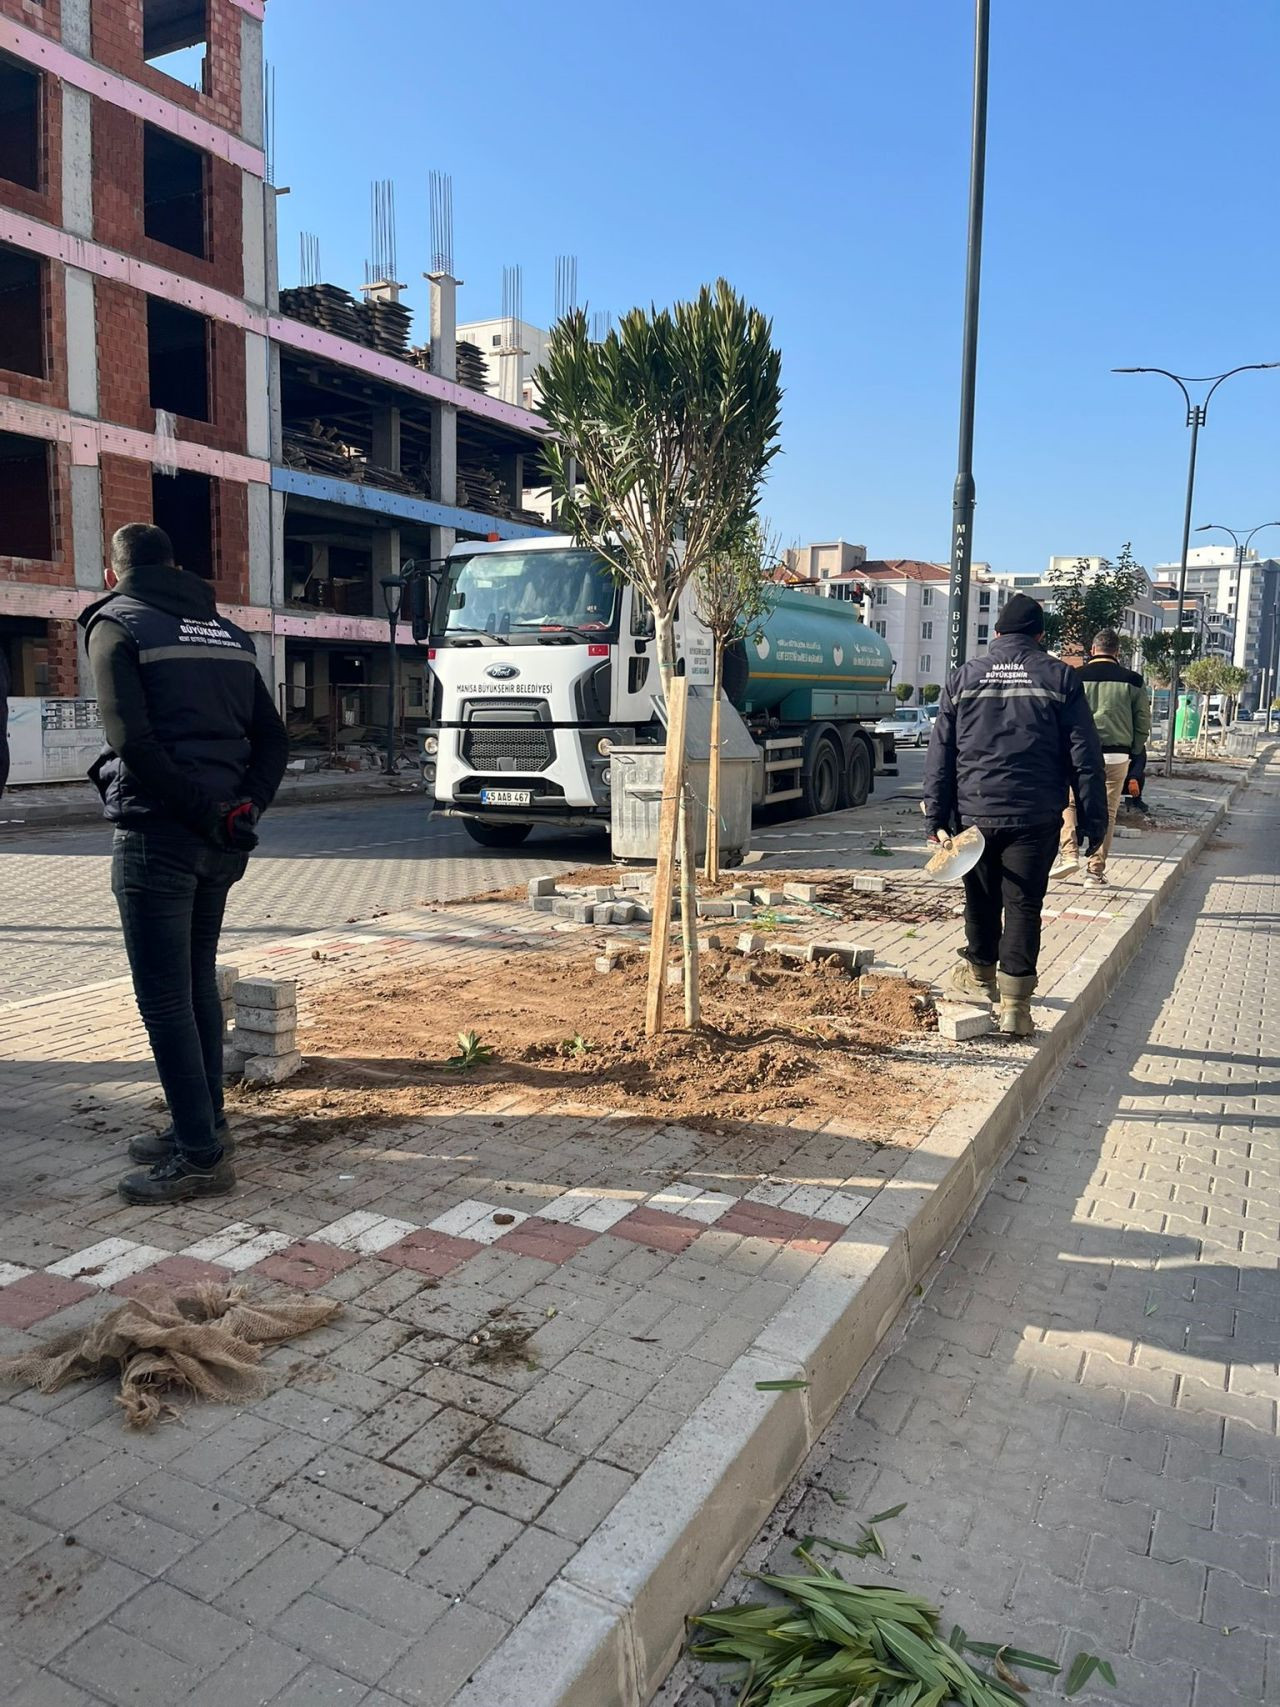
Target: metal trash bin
pixel 636 793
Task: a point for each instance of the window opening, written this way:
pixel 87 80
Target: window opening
pixel 26 498
pixel 19 124
pixel 174 178
pixel 21 312
pixel 178 357
pixel 175 40
pixel 182 504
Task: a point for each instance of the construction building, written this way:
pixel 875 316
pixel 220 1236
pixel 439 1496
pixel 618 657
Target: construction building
pixel 296 451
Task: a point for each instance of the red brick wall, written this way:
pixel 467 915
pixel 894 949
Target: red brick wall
pixel 46 18
pixel 118 207
pixel 57 572
pixel 117 43
pixel 126 495
pixel 64 661
pixel 45 203
pixel 52 390
pixel 231 543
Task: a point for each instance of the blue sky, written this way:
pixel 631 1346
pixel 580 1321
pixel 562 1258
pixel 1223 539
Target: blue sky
pixel 817 155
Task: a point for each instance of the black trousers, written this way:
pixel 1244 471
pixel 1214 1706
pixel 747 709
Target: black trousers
pixel 171 888
pixel 1003 895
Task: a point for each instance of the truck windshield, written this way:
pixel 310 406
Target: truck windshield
pixel 531 592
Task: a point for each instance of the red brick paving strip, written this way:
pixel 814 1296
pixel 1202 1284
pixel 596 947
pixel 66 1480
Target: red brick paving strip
pixel 309 1264
pixel 552 1241
pixel 36 1296
pixel 432 1254
pixel 658 1230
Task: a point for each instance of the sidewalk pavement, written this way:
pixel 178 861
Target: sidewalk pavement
pixel 36 806
pixel 1081 1412
pixel 380 1526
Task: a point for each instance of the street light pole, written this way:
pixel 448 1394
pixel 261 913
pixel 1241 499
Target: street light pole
pixel 1197 415
pixel 964 496
pixel 392 593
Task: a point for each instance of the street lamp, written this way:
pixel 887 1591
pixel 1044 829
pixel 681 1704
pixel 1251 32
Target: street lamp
pixel 964 494
pixel 392 592
pixel 1197 414
pixel 1242 550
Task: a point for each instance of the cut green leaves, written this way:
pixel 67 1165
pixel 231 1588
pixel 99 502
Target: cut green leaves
pixel 827 1642
pixel 781 1386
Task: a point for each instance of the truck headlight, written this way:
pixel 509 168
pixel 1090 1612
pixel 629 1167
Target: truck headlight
pixel 431 744
pixel 604 746
pixel 428 774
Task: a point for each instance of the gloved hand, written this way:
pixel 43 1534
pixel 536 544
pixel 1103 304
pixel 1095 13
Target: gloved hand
pixel 239 826
pixel 939 837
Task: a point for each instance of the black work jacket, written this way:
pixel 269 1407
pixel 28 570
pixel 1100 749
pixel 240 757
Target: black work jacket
pixel 1013 740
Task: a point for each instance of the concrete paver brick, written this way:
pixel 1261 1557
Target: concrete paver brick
pixel 437 1666
pixel 382 1596
pixel 122 1668
pixel 510 1587
pixel 319 1686
pixel 467 1550
pixel 344 1640
pixel 585 1501
pixel 412 1531
pixel 253 1675
pixel 267 1588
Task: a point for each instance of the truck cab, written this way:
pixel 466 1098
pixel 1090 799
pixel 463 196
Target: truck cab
pixel 542 662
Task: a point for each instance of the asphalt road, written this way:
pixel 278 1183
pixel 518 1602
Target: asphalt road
pixel 317 866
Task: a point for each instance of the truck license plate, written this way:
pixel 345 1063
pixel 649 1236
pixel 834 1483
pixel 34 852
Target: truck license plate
pixel 506 797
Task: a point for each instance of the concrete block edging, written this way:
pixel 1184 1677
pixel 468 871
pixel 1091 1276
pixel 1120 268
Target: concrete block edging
pixel 609 1628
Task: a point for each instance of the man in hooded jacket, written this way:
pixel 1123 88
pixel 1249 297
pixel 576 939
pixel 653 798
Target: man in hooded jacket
pixel 195 752
pixel 1013 740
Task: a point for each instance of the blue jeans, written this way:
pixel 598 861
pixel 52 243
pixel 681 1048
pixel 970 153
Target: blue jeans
pixel 171 888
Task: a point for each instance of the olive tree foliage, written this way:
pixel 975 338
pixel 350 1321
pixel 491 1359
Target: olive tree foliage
pixel 663 435
pixel 1158 653
pixel 903 692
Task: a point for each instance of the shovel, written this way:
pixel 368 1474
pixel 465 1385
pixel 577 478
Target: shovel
pixel 956 857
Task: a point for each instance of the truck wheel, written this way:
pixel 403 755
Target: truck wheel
pixel 857 776
pixel 821 781
pixel 496 835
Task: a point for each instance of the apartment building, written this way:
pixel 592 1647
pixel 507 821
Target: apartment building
pixel 1242 596
pixel 298 452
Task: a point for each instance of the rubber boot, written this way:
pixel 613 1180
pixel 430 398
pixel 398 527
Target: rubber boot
pixel 970 982
pixel 1015 1005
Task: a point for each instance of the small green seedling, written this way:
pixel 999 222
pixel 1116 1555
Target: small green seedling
pixel 471 1053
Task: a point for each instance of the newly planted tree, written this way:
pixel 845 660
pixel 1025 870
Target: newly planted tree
pixel 903 692
pixel 931 693
pixel 1235 679
pixel 732 599
pixel 1159 650
pixel 663 433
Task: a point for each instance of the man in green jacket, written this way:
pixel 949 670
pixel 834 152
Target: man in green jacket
pixel 1121 708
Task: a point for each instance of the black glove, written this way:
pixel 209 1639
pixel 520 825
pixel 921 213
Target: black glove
pixel 240 826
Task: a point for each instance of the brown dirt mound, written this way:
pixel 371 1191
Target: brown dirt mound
pixel 776 1040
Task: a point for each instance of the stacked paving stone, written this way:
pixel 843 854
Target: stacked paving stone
pixel 262 1048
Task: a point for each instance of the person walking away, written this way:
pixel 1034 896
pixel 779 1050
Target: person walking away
pixel 1121 708
pixel 1014 738
pixel 195 753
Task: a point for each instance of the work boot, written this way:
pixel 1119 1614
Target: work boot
pixel 1015 1005
pixel 177 1180
pixel 151 1148
pixel 971 982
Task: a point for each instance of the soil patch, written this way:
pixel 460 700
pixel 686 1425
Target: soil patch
pixel 778 1039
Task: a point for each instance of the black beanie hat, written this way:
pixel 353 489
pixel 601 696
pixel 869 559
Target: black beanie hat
pixel 1021 616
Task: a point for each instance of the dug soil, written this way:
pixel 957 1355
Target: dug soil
pixel 778 1042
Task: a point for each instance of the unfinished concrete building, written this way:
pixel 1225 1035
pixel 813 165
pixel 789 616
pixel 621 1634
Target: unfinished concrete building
pixel 149 371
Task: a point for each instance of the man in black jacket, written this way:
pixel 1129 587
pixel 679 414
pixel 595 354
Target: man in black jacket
pixel 1014 738
pixel 195 752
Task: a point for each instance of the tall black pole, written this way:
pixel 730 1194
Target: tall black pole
pixel 964 496
pixel 1195 417
pixel 393 694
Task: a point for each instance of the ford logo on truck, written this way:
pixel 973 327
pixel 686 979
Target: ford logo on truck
pixel 503 672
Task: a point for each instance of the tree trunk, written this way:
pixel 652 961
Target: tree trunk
pixel 713 768
pixel 689 908
pixel 675 695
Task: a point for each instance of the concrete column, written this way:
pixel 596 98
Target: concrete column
pixel 77 159
pixel 444 324
pixel 252 108
pixel 271 246
pixel 386 436
pixel 257 395
pixel 76 33
pixel 255 197
pixel 260 544
pixel 82 343
pixel 86 528
pixel 386 561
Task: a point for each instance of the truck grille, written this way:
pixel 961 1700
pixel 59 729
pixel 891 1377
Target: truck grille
pixel 509 738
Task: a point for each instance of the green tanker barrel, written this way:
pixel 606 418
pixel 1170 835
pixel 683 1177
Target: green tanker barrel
pixel 811 658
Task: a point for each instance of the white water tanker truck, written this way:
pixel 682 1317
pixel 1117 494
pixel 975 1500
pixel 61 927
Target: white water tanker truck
pixel 542 663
